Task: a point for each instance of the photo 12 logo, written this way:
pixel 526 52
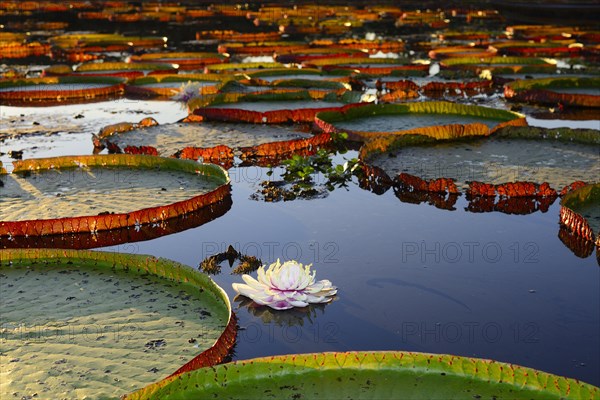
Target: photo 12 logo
pixel 61 332
pixel 469 332
pixel 470 252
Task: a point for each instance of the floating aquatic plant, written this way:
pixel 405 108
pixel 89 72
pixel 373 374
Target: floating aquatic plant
pixel 188 91
pixel 284 286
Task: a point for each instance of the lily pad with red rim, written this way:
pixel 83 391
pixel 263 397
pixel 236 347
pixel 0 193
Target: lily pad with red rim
pixel 241 67
pixel 573 92
pixel 215 142
pixel 101 324
pixel 59 90
pixel 123 69
pixel 93 193
pixel 498 65
pixel 436 119
pixel 284 106
pixel 170 84
pixel 185 60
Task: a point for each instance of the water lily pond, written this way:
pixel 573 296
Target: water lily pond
pixel 422 231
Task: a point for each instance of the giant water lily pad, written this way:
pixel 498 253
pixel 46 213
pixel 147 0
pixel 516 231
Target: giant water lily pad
pixel 496 160
pixel 272 108
pixel 185 60
pixel 78 47
pixel 577 92
pixel 436 119
pixel 273 75
pixel 170 84
pixel 366 375
pixel 503 172
pixel 101 324
pixel 499 65
pixel 172 139
pixel 307 55
pixel 93 193
pixel 59 90
pixel 236 67
pixel 128 70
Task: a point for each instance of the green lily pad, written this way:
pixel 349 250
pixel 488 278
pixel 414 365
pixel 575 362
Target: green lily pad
pixel 100 324
pixel 572 91
pixel 436 119
pixel 228 67
pixel 168 85
pixel 170 139
pixel 377 375
pixel 495 160
pixel 59 90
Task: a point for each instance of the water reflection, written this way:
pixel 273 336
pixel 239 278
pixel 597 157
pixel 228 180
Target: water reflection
pixel 115 237
pixel 291 317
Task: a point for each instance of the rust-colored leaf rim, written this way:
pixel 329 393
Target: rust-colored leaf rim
pixel 403 371
pixel 185 60
pixel 461 51
pixel 123 66
pixel 115 87
pixel 275 152
pixel 496 61
pixel 478 204
pixel 267 117
pixel 543 51
pixel 2 169
pixel 540 91
pixel 356 62
pixel 237 36
pixel 114 237
pixel 95 223
pixel 227 67
pixel 326 120
pixel 143 264
pixel 109 130
pixel 286 71
pixel 511 189
pixel 94 41
pixel 312 54
pixel 250 49
pixel 16 50
pixel 372 46
pixel 400 70
pixel 581 247
pixel 456 35
pixel 464 87
pixel 575 222
pixel 221 155
pixel 443 194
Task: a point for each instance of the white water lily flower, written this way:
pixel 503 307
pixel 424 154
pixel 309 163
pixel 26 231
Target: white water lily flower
pixel 188 91
pixel 284 286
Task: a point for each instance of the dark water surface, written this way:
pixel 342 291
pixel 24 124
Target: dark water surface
pixel 410 277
